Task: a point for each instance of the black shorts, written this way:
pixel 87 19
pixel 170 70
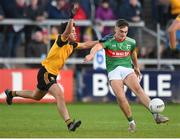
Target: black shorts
pixel 45 79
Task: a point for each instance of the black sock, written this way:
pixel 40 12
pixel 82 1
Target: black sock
pixel 68 122
pixel 130 119
pixel 10 94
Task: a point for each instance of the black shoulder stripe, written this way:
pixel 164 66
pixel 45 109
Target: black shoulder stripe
pixel 60 43
pixel 74 44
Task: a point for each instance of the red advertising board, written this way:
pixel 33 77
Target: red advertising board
pixel 26 79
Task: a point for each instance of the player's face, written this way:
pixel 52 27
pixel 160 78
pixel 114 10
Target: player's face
pixel 121 33
pixel 73 35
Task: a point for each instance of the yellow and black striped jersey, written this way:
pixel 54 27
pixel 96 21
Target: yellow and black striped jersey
pixel 58 54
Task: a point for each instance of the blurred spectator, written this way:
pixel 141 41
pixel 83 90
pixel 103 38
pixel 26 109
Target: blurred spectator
pixel 151 52
pixel 114 4
pixel 97 3
pixel 161 12
pixel 131 11
pixel 46 38
pixel 58 9
pixel 16 9
pixel 1 13
pixel 88 34
pixel 34 12
pixel 168 53
pixel 98 28
pixel 1 30
pixel 36 47
pixel 45 3
pixel 54 34
pixel 80 15
pixel 86 5
pixel 104 12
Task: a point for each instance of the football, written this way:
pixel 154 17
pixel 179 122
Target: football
pixel 156 105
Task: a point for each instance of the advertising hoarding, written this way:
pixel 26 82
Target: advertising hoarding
pixel 26 79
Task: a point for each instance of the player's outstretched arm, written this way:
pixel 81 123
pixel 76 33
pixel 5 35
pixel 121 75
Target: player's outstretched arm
pixel 93 51
pixel 88 44
pixel 172 33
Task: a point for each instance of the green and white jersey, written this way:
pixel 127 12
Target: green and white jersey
pixel 118 53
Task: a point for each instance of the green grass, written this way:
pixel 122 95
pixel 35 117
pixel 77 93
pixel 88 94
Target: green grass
pixel 98 120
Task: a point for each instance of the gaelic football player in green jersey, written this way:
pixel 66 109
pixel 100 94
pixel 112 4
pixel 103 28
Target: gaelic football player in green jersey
pixel 123 69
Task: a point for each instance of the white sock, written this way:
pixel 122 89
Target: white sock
pixel 132 122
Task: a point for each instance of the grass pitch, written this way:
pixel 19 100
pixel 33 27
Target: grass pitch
pixel 98 120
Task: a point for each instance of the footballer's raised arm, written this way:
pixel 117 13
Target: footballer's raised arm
pixel 68 29
pixel 93 51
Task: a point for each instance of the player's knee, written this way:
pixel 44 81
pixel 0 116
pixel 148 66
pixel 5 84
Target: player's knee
pixel 121 98
pixel 36 98
pixel 59 95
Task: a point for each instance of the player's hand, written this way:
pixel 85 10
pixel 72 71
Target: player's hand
pixel 137 72
pixel 88 58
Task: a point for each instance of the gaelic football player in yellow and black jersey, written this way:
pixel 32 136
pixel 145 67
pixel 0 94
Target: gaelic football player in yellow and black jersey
pixel 122 67
pixel 172 32
pixel 62 48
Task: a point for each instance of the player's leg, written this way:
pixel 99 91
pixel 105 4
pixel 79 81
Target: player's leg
pixel 172 32
pixel 132 82
pixel 36 94
pixel 118 88
pixel 57 92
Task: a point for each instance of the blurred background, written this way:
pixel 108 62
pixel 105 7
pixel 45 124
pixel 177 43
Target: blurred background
pixel 28 28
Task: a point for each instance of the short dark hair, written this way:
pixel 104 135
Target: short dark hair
pixel 63 27
pixel 122 23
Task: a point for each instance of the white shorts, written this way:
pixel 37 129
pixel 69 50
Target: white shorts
pixel 119 73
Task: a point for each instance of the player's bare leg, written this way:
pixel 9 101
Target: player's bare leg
pixel 118 88
pixel 132 82
pixel 36 94
pixel 172 33
pixel 57 92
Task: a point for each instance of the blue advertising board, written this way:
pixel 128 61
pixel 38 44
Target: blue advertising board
pixel 162 84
